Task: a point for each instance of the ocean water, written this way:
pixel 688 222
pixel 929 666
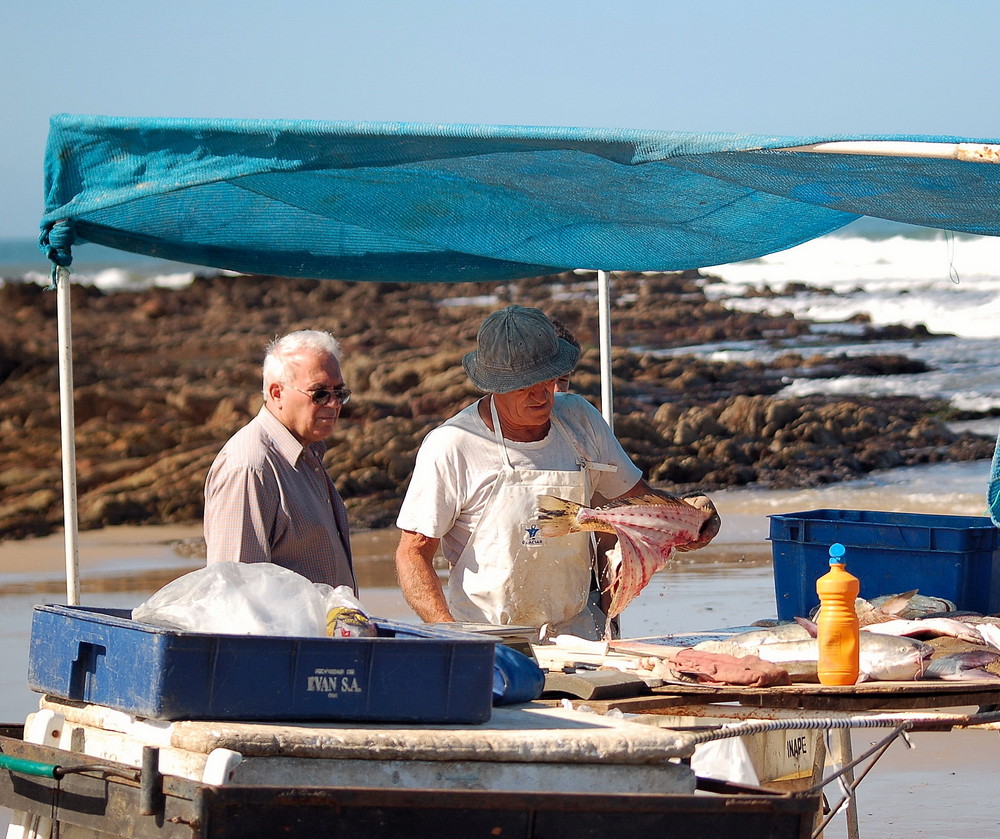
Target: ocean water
pixel 105 268
pixel 888 274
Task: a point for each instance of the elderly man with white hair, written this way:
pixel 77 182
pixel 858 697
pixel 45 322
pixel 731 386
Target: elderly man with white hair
pixel 268 497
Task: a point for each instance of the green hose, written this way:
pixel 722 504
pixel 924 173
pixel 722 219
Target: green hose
pixel 28 767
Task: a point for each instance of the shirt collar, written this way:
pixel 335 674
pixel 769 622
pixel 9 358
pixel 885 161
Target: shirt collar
pixel 286 443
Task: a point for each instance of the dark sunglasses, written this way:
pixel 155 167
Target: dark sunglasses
pixel 322 396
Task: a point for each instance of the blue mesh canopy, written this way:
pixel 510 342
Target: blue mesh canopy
pixel 405 202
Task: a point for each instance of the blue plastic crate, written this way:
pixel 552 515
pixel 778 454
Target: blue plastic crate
pixel 410 673
pixel 955 557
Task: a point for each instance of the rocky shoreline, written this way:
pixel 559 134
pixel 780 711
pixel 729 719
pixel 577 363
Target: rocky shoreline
pixel 163 377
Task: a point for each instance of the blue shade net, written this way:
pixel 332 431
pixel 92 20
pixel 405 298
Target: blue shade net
pixel 448 203
pixel 417 202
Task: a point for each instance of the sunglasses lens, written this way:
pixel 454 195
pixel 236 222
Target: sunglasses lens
pixel 324 397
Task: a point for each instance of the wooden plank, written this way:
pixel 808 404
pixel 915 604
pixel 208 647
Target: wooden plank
pixel 248 812
pixel 869 696
pixel 593 684
pixel 873 700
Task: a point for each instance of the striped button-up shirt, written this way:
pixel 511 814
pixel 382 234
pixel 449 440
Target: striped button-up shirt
pixel 268 498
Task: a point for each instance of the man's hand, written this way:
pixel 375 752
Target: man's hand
pixel 710 529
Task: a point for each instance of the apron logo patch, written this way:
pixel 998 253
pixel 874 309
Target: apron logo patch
pixel 531 538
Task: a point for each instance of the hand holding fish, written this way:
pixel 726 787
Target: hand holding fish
pixel 648 528
pixel 710 529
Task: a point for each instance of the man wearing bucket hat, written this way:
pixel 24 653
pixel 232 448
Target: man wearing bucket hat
pixel 477 479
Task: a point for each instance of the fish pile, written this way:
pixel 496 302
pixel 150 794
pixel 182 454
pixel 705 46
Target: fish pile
pixel 648 527
pixel 895 646
pixel 910 605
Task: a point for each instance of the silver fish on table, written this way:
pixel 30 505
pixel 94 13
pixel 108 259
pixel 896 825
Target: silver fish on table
pixel 961 658
pixel 966 664
pixel 963 666
pixel 648 528
pixel 883 658
pixel 798 630
pixel 928 628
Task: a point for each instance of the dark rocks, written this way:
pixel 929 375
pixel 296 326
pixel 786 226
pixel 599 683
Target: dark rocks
pixel 164 377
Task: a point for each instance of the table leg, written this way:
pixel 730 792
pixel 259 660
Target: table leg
pixel 844 754
pixel 818 770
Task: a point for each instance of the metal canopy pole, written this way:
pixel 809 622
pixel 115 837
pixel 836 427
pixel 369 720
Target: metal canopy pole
pixel 67 423
pixel 604 321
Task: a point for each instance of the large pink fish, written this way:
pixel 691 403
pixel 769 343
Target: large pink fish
pixel 648 528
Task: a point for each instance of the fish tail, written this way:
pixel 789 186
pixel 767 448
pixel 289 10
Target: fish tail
pixel 557 516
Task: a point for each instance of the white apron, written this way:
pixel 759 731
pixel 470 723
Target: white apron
pixel 507 573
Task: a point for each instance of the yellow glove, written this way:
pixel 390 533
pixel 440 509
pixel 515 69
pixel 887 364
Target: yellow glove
pixel 344 622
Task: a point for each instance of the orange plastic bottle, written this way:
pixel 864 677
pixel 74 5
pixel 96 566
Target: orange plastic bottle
pixel 837 624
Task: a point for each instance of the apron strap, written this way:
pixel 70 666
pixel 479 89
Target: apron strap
pixel 505 460
pixel 584 464
pixel 498 434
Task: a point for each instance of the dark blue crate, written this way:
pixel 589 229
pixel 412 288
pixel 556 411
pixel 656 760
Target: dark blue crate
pixel 410 673
pixel 955 557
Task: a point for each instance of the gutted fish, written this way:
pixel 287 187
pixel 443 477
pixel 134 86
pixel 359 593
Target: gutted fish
pixel 648 528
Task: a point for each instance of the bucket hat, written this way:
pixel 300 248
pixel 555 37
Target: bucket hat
pixel 518 347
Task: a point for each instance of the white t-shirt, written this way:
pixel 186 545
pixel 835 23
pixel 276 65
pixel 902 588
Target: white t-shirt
pixel 458 463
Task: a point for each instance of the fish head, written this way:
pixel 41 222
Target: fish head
pixel 892 658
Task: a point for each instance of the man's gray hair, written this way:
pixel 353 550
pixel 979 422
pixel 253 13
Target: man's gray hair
pixel 282 354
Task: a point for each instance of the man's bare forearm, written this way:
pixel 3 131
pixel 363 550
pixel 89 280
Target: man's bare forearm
pixel 418 580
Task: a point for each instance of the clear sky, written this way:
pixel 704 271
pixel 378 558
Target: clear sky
pixel 768 67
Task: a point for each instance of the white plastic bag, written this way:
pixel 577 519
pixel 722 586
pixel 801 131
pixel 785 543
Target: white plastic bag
pixel 724 760
pixel 238 598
